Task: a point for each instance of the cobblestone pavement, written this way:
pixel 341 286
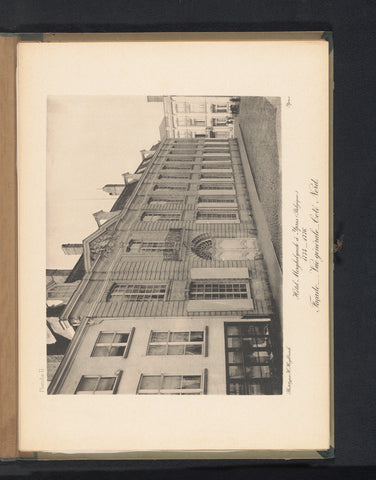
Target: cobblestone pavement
pixel 259 119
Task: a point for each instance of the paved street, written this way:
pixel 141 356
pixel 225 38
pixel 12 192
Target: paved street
pixel 258 118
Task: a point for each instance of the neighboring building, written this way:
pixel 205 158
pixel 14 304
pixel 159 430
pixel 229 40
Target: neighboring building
pixel 174 295
pixel 197 117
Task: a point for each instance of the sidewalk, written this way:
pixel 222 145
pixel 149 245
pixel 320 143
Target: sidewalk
pixel 272 263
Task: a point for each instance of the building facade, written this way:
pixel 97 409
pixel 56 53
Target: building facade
pixel 197 117
pixel 174 295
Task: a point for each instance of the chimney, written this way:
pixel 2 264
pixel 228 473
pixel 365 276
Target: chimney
pixel 72 248
pixel 101 216
pixel 113 189
pixel 131 177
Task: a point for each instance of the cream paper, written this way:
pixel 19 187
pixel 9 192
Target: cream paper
pixel 296 71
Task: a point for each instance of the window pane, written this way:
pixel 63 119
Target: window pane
pixel 105 338
pixel 191 382
pixel 121 338
pixel 235 371
pixel 234 342
pixel 233 330
pixel 235 357
pixel 157 350
pixel 179 337
pixel 175 350
pixel 87 384
pixel 171 382
pixel 150 382
pixel 117 351
pixel 106 383
pixel 197 336
pixel 193 350
pixel 159 337
pixel 100 352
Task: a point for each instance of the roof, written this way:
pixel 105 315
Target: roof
pixel 123 197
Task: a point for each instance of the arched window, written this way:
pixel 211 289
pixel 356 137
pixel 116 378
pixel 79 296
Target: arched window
pixel 202 246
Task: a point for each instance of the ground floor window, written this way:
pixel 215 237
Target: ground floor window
pixel 98 385
pixel 249 358
pixel 172 384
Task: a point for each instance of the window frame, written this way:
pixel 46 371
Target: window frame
pixel 181 391
pixel 111 294
pixel 116 376
pixel 111 344
pixel 213 281
pixel 203 343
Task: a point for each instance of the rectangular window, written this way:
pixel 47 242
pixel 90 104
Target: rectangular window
pixel 172 384
pixel 176 175
pixel 196 107
pixel 163 202
pixel 98 385
pixel 219 199
pixel 135 246
pixel 112 344
pixel 177 167
pixel 181 159
pixel 216 186
pixel 167 186
pixel 215 166
pixel 249 358
pixel 210 215
pixel 219 290
pixel 138 292
pixel 213 175
pixel 176 343
pixel 160 217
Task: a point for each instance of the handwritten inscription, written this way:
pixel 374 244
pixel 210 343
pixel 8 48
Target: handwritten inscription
pixel 288 370
pixel 305 251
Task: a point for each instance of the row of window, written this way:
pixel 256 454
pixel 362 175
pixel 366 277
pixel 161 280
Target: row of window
pixel 163 201
pixel 117 344
pixel 148 384
pixel 200 215
pixel 249 360
pixel 198 290
pixel 203 186
pixel 182 175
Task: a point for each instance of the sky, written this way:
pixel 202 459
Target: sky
pixel 91 141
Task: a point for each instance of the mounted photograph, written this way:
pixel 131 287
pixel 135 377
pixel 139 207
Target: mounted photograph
pixel 164 245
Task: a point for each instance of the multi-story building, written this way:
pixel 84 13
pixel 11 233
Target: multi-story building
pixel 197 117
pixel 174 296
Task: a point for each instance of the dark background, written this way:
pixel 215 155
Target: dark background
pixel 353 24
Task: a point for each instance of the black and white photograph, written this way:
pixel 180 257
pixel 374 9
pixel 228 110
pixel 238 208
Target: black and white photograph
pixel 174 243
pixel 164 245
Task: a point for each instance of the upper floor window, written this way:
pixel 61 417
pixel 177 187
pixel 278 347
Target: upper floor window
pixel 219 107
pixel 162 202
pixel 212 175
pixel 210 215
pixel 135 246
pixel 96 384
pixel 112 344
pixel 175 175
pixel 176 343
pixel 218 290
pixel 216 186
pixel 172 384
pixel 160 217
pixel 215 166
pixel 216 199
pixel 167 186
pixel 138 292
pixel 177 167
